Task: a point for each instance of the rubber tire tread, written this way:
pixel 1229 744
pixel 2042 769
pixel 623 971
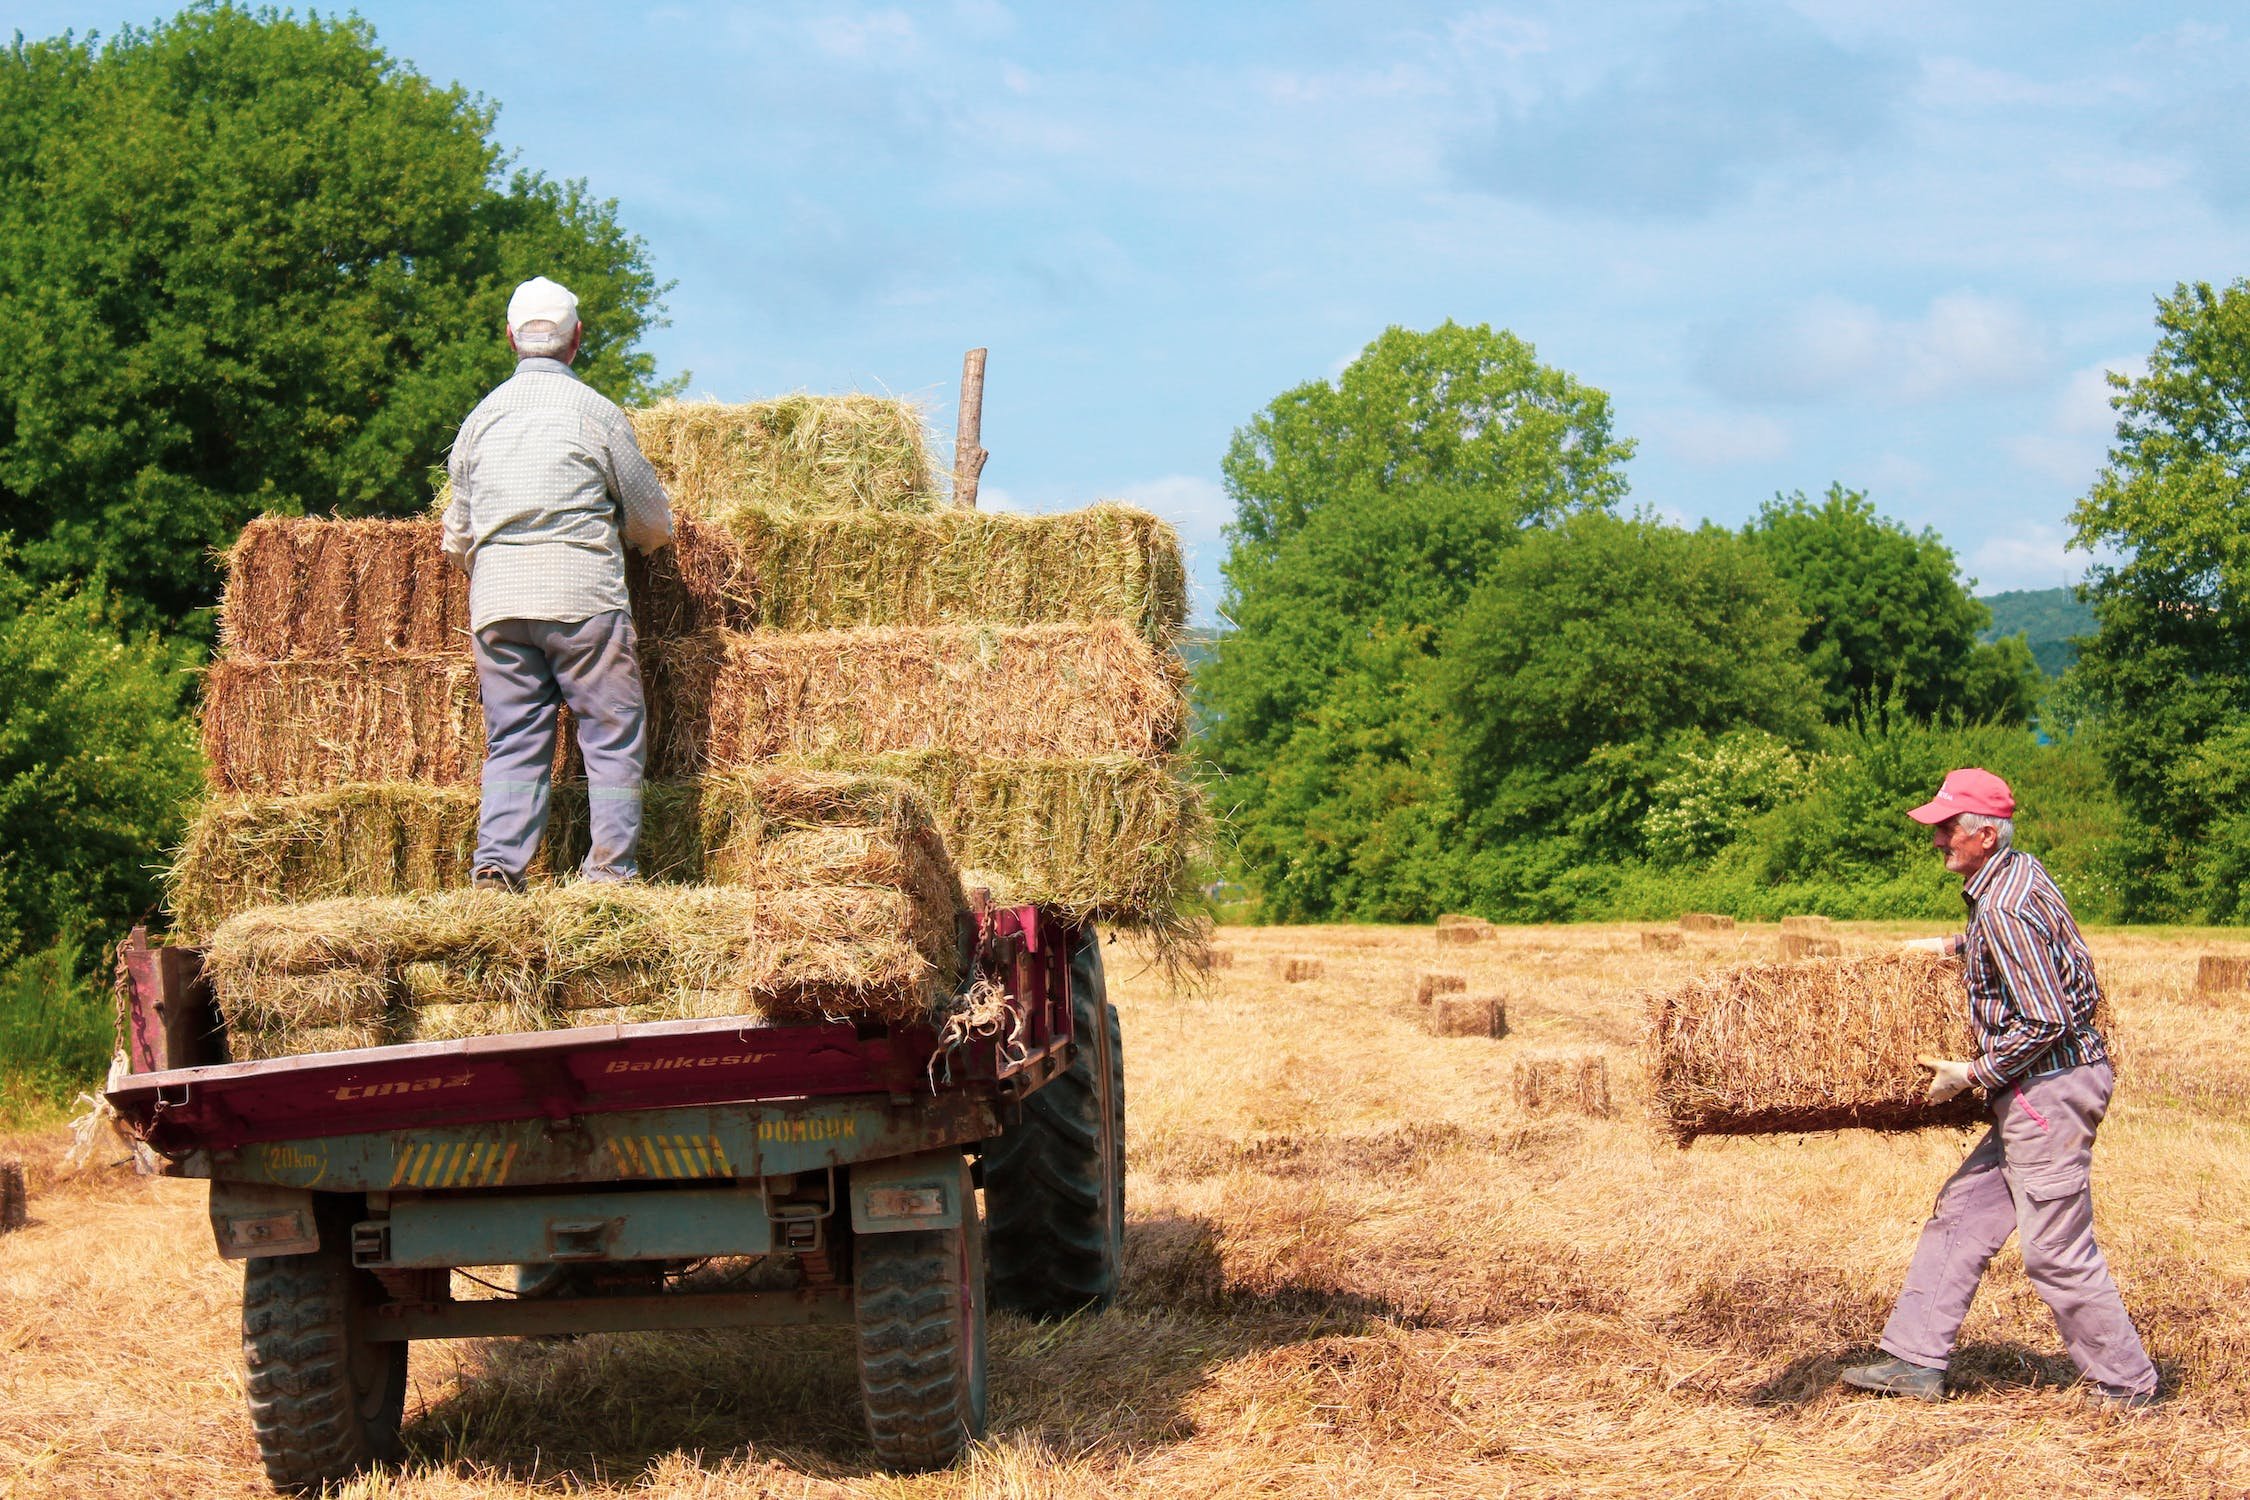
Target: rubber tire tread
pixel 922 1355
pixel 1054 1237
pixel 298 1331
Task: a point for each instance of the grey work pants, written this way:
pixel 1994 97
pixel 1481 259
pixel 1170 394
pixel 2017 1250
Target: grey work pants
pixel 524 669
pixel 2030 1173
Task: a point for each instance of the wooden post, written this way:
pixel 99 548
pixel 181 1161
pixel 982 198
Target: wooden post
pixel 968 457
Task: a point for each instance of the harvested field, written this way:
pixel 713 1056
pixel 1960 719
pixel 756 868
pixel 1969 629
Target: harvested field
pixel 768 827
pixel 1568 1084
pixel 1809 1046
pixel 1704 921
pixel 1817 926
pixel 719 699
pixel 286 977
pixel 1297 968
pixel 1357 1270
pixel 1464 930
pixel 1662 941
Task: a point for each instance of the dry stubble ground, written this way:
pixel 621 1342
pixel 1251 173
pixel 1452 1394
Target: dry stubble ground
pixel 1356 1268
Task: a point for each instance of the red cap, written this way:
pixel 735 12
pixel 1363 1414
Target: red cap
pixel 1972 790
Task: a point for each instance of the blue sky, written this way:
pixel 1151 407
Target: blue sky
pixel 1893 245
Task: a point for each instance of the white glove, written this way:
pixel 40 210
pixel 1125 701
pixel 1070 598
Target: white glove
pixel 1947 1079
pixel 1941 946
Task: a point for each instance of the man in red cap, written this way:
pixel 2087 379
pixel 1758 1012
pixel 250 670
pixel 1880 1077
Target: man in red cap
pixel 2046 1072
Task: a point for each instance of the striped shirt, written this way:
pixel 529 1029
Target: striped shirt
pixel 548 487
pixel 2031 981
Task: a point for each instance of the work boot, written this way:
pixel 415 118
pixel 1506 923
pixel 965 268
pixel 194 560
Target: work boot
pixel 489 879
pixel 2117 1398
pixel 1892 1376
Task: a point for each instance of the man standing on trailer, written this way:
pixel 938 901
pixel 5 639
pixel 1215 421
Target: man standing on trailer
pixel 548 488
pixel 2046 1072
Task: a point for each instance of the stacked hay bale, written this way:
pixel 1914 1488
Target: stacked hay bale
pixel 1817 1045
pixel 854 694
pixel 1803 944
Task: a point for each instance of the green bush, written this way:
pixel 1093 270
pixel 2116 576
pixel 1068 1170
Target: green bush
pixel 56 1032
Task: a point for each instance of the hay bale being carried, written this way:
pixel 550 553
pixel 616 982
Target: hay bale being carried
pixel 1796 945
pixel 363 972
pixel 1430 983
pixel 1296 968
pixel 2217 974
pixel 1555 1084
pixel 1820 1045
pixel 1467 1015
pixel 1705 921
pixel 1810 924
pixel 1666 942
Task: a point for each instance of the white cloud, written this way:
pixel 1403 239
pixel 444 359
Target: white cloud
pixel 1718 440
pixel 2030 555
pixel 877 36
pixel 1830 346
pixel 2083 409
pixel 2071 449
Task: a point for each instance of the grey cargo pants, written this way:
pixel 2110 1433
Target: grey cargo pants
pixel 524 669
pixel 2029 1173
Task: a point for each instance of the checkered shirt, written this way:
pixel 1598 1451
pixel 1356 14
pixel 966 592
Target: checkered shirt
pixel 548 487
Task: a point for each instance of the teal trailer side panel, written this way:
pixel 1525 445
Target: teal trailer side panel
pixel 493 1229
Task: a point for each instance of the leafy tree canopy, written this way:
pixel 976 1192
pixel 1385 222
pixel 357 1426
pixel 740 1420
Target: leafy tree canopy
pixel 98 764
pixel 252 263
pixel 1886 615
pixel 1379 500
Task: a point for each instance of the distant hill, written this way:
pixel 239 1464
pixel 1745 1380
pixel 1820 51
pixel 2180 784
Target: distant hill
pixel 2047 617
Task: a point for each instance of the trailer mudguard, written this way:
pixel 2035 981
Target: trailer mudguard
pixel 907 1193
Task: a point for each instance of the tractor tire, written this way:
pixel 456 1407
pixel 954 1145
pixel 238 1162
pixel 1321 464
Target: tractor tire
pixel 325 1401
pixel 919 1298
pixel 1054 1181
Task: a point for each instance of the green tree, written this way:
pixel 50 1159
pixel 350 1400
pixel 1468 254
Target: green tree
pixel 98 764
pixel 1886 614
pixel 1603 632
pixel 252 263
pixel 2168 672
pixel 1379 500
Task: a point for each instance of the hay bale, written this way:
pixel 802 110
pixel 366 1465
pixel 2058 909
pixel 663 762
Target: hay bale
pixel 1296 968
pixel 1664 941
pixel 303 587
pixel 1554 1084
pixel 1820 1045
pixel 1467 1015
pixel 716 700
pixel 1431 983
pixel 2218 974
pixel 768 828
pixel 801 452
pixel 1796 945
pixel 1218 958
pixel 287 975
pixel 1464 930
pixel 1811 924
pixel 1704 921
pixel 15 1200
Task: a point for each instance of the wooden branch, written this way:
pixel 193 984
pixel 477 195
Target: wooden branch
pixel 968 457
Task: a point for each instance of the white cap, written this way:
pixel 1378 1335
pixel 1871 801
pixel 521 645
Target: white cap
pixel 542 301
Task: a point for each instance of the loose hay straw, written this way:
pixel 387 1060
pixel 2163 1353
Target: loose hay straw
pixel 1821 1045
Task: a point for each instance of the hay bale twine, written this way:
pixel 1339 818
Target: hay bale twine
pixel 1430 983
pixel 1662 941
pixel 1705 921
pixel 1808 923
pixel 1574 1083
pixel 1804 945
pixel 1297 968
pixel 1467 1015
pixel 15 1202
pixel 2217 974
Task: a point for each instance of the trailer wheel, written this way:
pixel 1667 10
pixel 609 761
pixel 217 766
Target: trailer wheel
pixel 325 1400
pixel 1054 1182
pixel 920 1303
